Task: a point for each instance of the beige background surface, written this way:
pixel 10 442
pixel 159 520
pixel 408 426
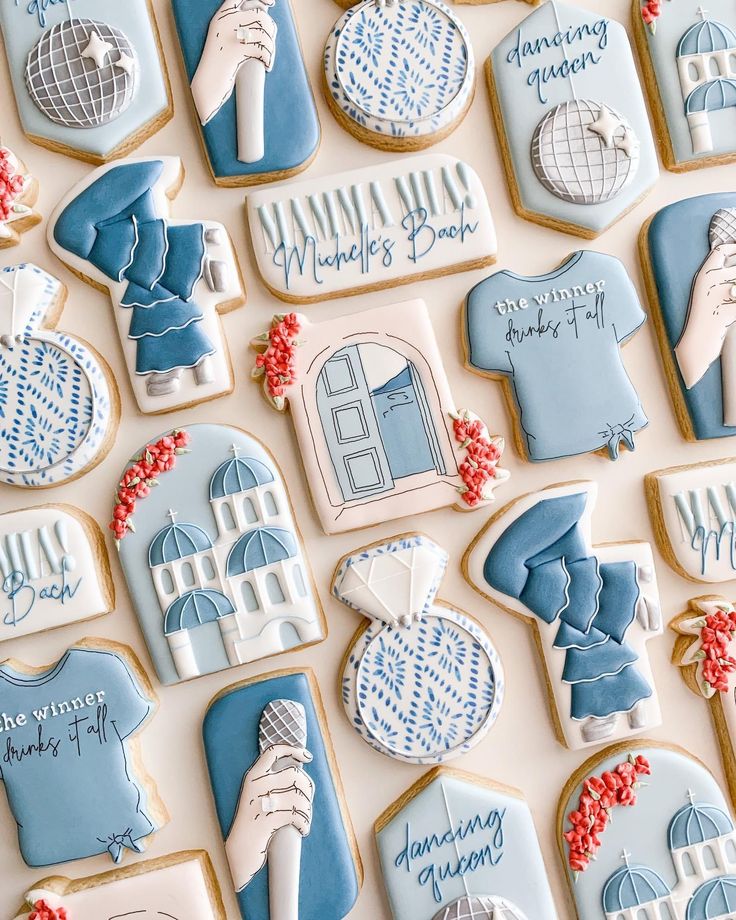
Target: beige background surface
pixel 521 749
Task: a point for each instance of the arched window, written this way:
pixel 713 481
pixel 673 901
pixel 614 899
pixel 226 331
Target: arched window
pixel 687 865
pixel 301 588
pixel 167 582
pixel 187 574
pixel 249 511
pixel 730 850
pixel 731 64
pixel 208 569
pixel 643 914
pixel 709 858
pixel 272 509
pixel 228 520
pixel 249 597
pixel 664 911
pixel 273 586
pixel 693 71
pixel 713 67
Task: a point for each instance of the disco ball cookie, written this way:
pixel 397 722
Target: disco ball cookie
pixel 88 76
pixel 399 74
pixel 571 120
pixel 688 56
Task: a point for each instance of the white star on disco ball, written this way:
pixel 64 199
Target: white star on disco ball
pixel 584 152
pixel 82 73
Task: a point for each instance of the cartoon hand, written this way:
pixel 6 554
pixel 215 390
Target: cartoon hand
pixel 711 313
pixel 269 800
pixel 240 31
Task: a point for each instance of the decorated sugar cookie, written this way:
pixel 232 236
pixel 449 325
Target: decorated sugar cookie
pixel 688 251
pixel 212 556
pixel 687 53
pixel 53 570
pixel 169 280
pixel 693 509
pixel 70 756
pixel 704 652
pixel 18 193
pixel 555 342
pixel 663 844
pixel 182 886
pixel 370 228
pixel 88 75
pixel 593 609
pixel 571 119
pixel 399 74
pixel 380 436
pixel 279 799
pixel 422 681
pixel 457 846
pixel 250 88
pixel 58 403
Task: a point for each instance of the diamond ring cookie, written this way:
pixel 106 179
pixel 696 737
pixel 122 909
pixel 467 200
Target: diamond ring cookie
pixel 279 799
pixel 59 406
pixel 593 609
pixel 379 434
pixel 169 279
pixel 89 76
pixel 457 846
pixel 399 74
pixel 213 557
pixel 251 93
pixel 571 120
pixel 422 681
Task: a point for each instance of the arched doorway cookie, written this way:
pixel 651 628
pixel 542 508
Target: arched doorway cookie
pixel 379 433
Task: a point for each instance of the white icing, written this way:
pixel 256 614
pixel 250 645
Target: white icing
pixel 370 227
pixel 38 591
pixel 646 625
pixel 145 892
pixel 219 249
pixel 698 507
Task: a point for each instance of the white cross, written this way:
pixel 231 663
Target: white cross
pixel 691 796
pixel 626 856
pixel 702 13
pixel 173 515
pixel 234 450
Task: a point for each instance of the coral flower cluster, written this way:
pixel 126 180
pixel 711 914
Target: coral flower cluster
pixel 142 475
pixel 42 911
pixel 11 185
pixel 716 638
pixel 276 362
pixel 650 13
pixel 600 795
pixel 482 453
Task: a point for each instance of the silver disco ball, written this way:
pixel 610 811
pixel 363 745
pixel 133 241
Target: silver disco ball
pixel 479 908
pixel 574 163
pixel 71 89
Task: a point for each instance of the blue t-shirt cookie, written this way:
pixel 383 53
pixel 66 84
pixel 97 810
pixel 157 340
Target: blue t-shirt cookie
pixel 556 338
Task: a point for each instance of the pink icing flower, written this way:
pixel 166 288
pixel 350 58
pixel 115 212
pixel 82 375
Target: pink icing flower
pixel 481 457
pixel 11 185
pixel 276 362
pixel 42 911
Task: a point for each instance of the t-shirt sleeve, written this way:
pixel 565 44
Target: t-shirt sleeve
pixel 622 302
pixel 127 704
pixel 485 329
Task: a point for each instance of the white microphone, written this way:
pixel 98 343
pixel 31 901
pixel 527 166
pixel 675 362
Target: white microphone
pixel 283 722
pixel 250 88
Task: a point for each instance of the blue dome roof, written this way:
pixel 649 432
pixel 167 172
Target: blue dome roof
pixel 259 547
pixel 712 96
pixel 706 37
pixel 631 886
pixel 714 900
pixel 177 541
pixel 697 823
pixel 195 608
pixel 239 475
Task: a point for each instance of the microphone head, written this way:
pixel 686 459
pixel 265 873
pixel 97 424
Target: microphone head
pixel 282 722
